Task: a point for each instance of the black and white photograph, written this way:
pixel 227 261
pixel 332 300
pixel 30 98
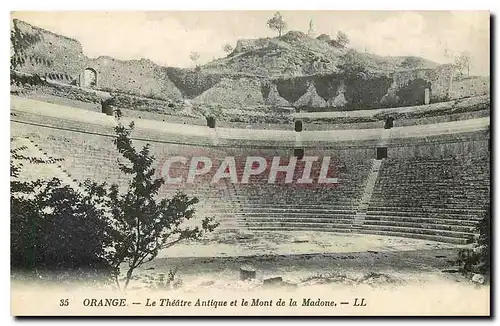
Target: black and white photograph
pixel 250 163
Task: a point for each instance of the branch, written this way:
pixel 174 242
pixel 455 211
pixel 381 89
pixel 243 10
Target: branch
pixel 141 260
pixel 170 244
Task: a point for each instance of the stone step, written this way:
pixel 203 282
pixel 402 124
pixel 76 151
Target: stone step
pixel 314 219
pixel 444 239
pixel 292 215
pixel 296 224
pixel 436 226
pixel 402 229
pixel 299 228
pixel 418 219
pixel 380 215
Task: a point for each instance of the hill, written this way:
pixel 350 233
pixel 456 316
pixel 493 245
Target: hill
pixel 297 54
pixel 294 70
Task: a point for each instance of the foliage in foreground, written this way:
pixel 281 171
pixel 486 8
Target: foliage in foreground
pixel 93 231
pixel 55 229
pixel 142 224
pixel 478 259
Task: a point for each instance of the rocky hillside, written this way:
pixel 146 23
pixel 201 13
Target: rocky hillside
pixel 294 70
pixel 297 54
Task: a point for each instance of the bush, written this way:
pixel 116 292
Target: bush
pixel 60 232
pixel 478 259
pixel 56 231
pixel 25 80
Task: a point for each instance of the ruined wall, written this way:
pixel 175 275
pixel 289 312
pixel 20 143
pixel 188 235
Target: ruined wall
pixel 60 58
pixel 52 56
pixel 468 87
pixel 142 77
pixel 233 93
pixel 337 91
pixel 192 83
pixel 439 79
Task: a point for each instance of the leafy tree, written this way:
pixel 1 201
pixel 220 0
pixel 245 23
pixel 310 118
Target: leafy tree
pixel 194 56
pixel 341 41
pixel 276 23
pixel 55 229
pixel 142 224
pixel 478 259
pixel 483 246
pixel 462 62
pixel 410 62
pixel 97 229
pixel 227 48
pixel 351 64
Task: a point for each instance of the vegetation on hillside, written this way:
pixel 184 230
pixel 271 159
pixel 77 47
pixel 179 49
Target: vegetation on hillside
pixel 277 23
pixel 291 61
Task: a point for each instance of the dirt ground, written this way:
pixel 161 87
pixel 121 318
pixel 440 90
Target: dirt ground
pixel 395 276
pixel 298 256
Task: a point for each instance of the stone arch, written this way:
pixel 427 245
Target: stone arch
pixel 88 78
pixel 389 122
pixel 298 125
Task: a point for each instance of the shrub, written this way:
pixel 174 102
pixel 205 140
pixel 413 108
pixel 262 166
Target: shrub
pixel 58 232
pixel 478 259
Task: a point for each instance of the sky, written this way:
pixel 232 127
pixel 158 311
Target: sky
pixel 167 38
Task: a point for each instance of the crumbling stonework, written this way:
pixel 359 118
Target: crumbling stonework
pixel 274 98
pixel 469 87
pixel 233 93
pixel 339 100
pixel 310 99
pixel 439 79
pixel 61 59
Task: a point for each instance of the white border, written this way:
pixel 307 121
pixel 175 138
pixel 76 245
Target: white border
pixel 198 5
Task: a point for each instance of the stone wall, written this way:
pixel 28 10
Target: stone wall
pixel 439 79
pixel 85 124
pixel 60 58
pixel 142 77
pixel 53 55
pixel 469 87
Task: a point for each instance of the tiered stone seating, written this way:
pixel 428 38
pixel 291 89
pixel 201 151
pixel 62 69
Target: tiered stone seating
pixel 298 207
pixel 430 198
pixel 437 199
pixel 95 157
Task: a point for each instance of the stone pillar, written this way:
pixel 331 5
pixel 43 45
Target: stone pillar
pixel 427 96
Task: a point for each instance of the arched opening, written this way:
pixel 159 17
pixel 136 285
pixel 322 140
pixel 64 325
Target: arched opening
pixel 299 153
pixel 298 126
pixel 89 78
pixel 381 153
pixel 389 123
pixel 107 106
pixel 211 122
pixel 415 92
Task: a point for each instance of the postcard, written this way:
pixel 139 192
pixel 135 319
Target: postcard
pixel 250 163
